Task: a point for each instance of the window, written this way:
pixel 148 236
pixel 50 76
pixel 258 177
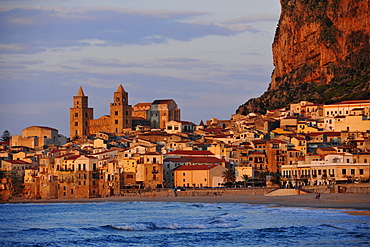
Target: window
pixel 76 114
pixel 116 113
pixel 117 99
pixel 76 123
pixel 116 121
pixel 361 171
pixel 352 171
pixel 343 171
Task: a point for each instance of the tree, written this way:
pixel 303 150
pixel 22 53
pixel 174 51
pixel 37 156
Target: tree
pixel 350 144
pixel 245 180
pixel 275 178
pixel 229 177
pixel 5 136
pixel 262 176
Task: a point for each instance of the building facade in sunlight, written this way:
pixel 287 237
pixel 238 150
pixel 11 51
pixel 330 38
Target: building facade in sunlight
pixel 158 113
pixel 82 120
pixel 122 115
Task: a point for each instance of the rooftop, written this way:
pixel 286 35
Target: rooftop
pixel 195 167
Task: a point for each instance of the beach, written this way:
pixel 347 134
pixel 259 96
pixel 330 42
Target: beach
pixel 357 202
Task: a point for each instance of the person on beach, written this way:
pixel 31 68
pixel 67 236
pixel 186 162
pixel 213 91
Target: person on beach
pixel 318 196
pixel 174 191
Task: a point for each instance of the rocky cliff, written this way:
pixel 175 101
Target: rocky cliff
pixel 321 53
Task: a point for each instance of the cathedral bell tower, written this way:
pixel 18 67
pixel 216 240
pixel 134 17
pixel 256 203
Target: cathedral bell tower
pixel 120 111
pixel 80 115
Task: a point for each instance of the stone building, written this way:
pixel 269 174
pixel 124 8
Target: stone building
pixel 82 120
pixel 158 113
pixel 37 137
pixel 122 115
pixel 198 176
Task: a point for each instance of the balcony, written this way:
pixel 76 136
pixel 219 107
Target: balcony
pixel 68 170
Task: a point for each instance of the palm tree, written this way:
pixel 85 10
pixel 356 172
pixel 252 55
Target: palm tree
pixel 229 177
pixel 262 176
pixel 275 178
pixel 245 180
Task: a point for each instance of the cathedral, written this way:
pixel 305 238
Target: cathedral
pixel 156 114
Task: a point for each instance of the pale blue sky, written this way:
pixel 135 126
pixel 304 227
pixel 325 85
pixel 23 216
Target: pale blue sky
pixel 209 56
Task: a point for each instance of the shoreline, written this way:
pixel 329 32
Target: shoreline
pixel 356 202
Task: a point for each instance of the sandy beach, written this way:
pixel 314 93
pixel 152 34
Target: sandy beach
pixel 360 203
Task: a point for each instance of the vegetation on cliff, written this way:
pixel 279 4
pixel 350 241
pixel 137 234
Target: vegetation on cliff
pixel 321 54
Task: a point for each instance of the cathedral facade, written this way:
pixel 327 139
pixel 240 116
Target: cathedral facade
pixel 82 122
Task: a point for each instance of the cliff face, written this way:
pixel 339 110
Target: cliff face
pixel 321 53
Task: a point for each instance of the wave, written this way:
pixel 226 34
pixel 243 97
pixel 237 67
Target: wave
pixel 148 226
pixel 222 221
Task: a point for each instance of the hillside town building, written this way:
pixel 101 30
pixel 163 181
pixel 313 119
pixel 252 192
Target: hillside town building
pixel 122 115
pixel 106 157
pixel 82 122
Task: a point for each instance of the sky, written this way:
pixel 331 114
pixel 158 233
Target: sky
pixel 210 56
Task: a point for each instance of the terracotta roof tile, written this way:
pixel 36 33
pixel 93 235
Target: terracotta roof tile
pixel 195 167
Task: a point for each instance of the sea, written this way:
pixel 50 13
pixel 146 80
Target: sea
pixel 178 224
